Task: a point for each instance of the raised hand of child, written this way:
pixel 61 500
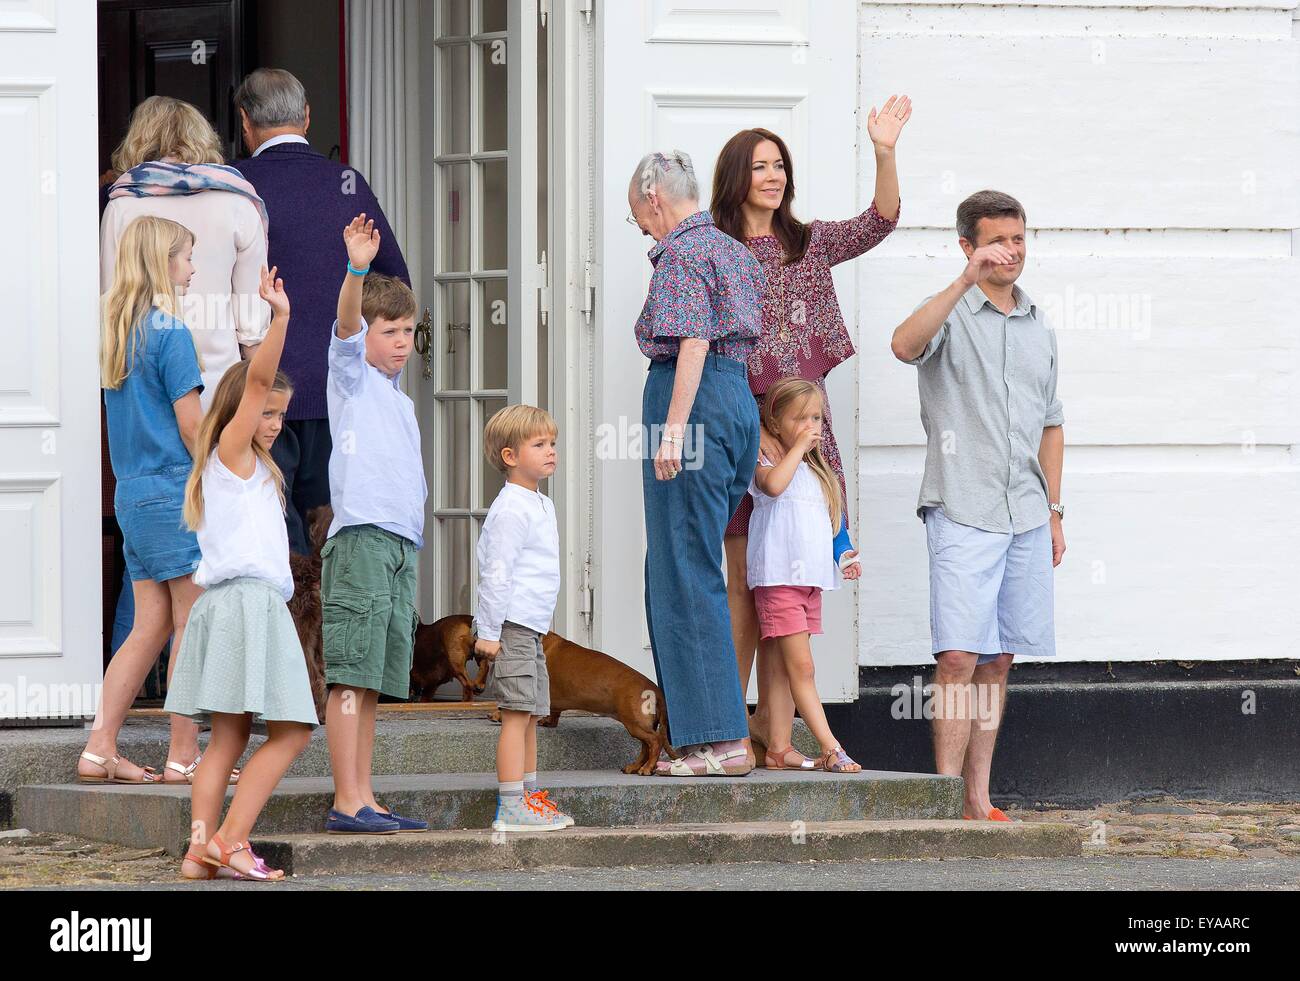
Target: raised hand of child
pixel 809 437
pixel 362 241
pixel 272 291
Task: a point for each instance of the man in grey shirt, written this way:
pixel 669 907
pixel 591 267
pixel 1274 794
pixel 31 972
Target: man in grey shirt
pixel 991 494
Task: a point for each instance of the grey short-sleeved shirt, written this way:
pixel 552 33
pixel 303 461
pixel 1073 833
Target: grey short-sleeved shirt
pixel 988 390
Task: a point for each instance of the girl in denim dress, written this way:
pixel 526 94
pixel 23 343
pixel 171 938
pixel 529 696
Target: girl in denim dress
pixel 151 379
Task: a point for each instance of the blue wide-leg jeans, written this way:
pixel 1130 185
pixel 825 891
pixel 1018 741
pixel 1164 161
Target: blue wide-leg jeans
pixel 685 593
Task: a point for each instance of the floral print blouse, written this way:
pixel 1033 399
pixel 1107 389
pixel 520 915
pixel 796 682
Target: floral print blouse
pixel 803 328
pixel 706 285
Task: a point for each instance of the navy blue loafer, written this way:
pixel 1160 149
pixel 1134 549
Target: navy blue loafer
pixel 365 822
pixel 405 823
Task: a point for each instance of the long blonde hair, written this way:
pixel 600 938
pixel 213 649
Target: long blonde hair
pixel 779 400
pixel 140 281
pixel 165 127
pixel 225 403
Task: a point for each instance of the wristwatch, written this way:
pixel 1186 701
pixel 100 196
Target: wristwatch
pixel 1059 509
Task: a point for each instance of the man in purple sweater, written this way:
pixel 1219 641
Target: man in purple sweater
pixel 310 199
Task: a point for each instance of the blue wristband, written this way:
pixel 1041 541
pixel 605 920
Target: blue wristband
pixel 355 271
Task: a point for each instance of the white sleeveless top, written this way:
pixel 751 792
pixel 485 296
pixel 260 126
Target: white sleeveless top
pixel 243 531
pixel 790 538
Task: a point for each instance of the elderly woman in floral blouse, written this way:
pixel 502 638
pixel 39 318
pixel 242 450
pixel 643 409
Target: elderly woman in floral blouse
pixel 803 336
pixel 698 328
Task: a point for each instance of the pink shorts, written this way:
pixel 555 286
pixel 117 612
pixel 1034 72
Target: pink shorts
pixel 786 610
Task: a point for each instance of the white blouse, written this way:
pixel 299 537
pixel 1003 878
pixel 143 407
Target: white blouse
pixel 790 537
pixel 243 531
pixel 222 307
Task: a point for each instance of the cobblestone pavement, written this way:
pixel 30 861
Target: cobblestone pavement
pixel 1181 830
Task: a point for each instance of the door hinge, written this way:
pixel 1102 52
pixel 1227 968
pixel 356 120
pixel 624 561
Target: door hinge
pixel 587 304
pixel 587 594
pixel 543 9
pixel 544 289
pixel 587 9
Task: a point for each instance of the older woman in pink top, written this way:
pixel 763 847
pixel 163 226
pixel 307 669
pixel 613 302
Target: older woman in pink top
pixel 804 336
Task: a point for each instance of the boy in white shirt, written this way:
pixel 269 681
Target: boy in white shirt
pixel 519 582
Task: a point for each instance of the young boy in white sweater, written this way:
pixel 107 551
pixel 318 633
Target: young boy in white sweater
pixel 519 582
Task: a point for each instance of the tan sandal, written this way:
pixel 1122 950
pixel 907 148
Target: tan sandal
pixel 838 761
pixel 110 767
pixel 788 759
pixel 188 772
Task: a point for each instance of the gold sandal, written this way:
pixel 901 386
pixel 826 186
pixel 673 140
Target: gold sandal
pixel 110 767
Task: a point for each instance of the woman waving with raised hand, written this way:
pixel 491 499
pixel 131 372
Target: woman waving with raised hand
pixel 804 336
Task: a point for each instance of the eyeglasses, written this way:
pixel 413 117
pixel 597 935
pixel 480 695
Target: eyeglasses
pixel 631 220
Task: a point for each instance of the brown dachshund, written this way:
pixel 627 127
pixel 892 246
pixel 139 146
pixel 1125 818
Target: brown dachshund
pixel 441 652
pixel 590 681
pixel 305 603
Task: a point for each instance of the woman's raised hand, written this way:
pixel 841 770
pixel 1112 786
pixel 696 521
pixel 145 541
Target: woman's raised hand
pixel 362 241
pixel 272 291
pixel 885 127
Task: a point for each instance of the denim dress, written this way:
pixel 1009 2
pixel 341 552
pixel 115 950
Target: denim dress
pixel 149 458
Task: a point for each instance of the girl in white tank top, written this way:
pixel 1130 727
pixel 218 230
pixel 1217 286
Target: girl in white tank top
pixel 790 560
pixel 240 662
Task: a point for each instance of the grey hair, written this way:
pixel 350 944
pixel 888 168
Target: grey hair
pixel 671 175
pixel 272 97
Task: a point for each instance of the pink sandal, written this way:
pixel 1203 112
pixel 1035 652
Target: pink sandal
pixel 838 761
pixel 260 872
pixel 705 762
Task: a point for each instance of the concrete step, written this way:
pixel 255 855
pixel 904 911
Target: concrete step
pixel 151 817
pixel 673 844
pixel 460 743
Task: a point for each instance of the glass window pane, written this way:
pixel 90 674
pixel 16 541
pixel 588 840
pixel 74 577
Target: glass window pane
pixel 455 17
pixel 457 593
pixel 495 95
pixel 495 215
pixel 494 15
pixel 495 334
pixel 454 254
pixel 455 99
pixel 451 337
pixel 493 479
pixel 455 453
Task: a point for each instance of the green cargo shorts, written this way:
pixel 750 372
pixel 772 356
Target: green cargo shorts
pixel 368 609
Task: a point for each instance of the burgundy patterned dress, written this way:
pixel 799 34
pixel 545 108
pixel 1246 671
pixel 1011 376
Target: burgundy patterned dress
pixel 803 328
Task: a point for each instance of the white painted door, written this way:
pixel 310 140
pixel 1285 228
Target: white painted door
pixel 51 653
pixel 688 74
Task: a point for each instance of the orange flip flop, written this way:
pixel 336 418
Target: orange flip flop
pixel 994 815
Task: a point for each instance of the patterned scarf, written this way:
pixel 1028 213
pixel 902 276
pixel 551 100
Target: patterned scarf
pixel 164 177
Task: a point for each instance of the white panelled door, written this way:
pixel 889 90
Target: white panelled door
pixel 689 74
pixel 51 653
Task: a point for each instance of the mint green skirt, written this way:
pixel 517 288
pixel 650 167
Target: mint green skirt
pixel 241 654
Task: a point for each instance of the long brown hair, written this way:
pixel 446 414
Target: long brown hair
pixel 230 392
pixel 732 181
pixel 779 400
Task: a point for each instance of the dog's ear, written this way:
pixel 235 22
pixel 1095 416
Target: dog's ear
pixel 319 520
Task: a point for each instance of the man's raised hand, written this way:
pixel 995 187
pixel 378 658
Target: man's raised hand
pixel 984 260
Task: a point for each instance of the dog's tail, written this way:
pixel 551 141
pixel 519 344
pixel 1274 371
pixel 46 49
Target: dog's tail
pixel 661 721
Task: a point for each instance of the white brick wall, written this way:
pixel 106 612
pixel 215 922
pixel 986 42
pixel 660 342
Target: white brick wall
pixel 1157 151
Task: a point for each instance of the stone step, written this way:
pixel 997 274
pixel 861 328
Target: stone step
pixel 461 743
pixel 672 844
pixel 151 817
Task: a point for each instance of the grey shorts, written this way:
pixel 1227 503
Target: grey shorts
pixel 519 679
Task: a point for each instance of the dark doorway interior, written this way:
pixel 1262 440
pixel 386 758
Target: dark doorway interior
pixel 199 51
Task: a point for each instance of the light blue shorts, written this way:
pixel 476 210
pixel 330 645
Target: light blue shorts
pixel 990 592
